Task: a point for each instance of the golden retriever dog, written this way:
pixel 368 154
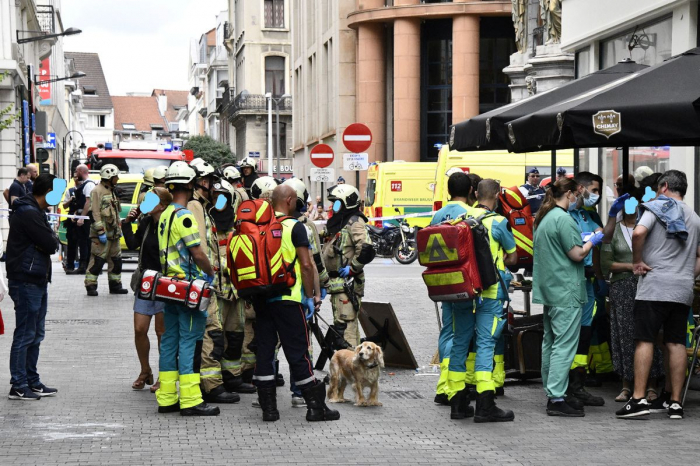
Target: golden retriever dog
pixel 361 368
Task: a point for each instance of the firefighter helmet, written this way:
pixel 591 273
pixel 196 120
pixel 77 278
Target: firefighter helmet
pixel 299 187
pixel 231 173
pixel 109 171
pixel 263 187
pixel 180 173
pixel 348 195
pixel 223 186
pixel 148 177
pixel 159 172
pixel 248 162
pixel 202 167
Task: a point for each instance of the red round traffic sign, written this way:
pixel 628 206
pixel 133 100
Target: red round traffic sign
pixel 357 137
pixel 322 155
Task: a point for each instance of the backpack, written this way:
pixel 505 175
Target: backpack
pixel 254 252
pixel 458 260
pixel 515 208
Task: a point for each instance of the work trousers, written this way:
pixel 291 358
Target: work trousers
pixel 247 311
pixel 287 320
pixel 234 334
pixel 344 312
pixel 71 244
pixel 212 347
pixel 445 347
pixel 561 334
pixel 183 328
pixel 584 342
pixel 111 253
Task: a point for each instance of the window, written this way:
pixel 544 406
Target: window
pixel 652 45
pixel 583 62
pixel 157 127
pixel 129 126
pixel 274 13
pixel 98 121
pixel 89 90
pixel 497 43
pixel 274 75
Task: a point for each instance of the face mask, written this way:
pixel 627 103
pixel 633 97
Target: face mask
pixel 572 205
pixel 336 206
pixel 592 200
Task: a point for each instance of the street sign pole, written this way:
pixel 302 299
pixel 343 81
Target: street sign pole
pixel 269 133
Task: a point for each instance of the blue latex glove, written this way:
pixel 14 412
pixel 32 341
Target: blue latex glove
pixel 309 306
pixel 102 238
pixel 603 289
pixel 345 272
pixel 618 205
pixel 207 278
pixel 324 293
pixel 595 238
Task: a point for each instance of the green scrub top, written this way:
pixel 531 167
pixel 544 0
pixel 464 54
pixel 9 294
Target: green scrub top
pixel 556 279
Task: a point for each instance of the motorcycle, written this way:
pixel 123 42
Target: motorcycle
pixel 394 241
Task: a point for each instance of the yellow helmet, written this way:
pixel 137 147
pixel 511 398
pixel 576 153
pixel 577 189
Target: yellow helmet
pixel 148 177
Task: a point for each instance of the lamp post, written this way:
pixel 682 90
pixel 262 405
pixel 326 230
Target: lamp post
pixel 76 75
pixel 44 36
pixel 269 133
pixel 82 146
pixel 277 102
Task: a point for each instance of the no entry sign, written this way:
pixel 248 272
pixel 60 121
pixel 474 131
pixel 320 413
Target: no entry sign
pixel 322 155
pixel 357 137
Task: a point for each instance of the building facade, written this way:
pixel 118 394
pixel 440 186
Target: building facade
pixel 258 40
pixel 656 30
pixel 407 69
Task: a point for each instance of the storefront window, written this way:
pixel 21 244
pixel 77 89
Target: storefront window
pixel 643 161
pixel 583 62
pixel 652 45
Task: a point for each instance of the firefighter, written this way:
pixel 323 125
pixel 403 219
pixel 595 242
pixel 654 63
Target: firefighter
pixel 159 173
pixel 315 246
pixel 249 175
pixel 146 186
pixel 489 321
pixel 183 257
pixel 232 314
pixel 105 232
pixel 285 316
pixel 213 344
pixel 345 254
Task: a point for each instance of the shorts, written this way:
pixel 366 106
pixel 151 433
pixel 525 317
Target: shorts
pixel 651 316
pixel 147 307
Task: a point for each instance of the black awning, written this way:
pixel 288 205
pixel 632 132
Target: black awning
pixel 488 130
pixel 652 107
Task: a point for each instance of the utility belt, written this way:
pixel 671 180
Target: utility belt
pixel 193 294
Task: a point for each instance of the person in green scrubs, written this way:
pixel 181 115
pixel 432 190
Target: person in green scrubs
pixel 558 283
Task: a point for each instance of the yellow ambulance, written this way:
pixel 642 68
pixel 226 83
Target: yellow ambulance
pixel 510 169
pixel 407 186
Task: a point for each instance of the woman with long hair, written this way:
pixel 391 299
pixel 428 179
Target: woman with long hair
pixel 559 284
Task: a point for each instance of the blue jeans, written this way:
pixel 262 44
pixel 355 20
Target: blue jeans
pixel 30 318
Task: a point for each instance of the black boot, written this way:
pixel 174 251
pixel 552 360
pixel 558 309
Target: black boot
pixel 460 405
pixel 487 411
pixel 116 288
pixel 471 392
pixel 268 403
pixel 237 385
pixel 202 409
pixel 577 378
pixel 442 400
pixel 91 290
pixel 279 379
pixel 220 395
pixel 316 409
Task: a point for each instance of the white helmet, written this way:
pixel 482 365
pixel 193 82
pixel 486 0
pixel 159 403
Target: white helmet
pixel 348 195
pixel 202 167
pixel 148 177
pixel 263 187
pixel 231 173
pixel 180 173
pixel 159 172
pixel 248 162
pixel 223 186
pixel 109 171
pixel 300 188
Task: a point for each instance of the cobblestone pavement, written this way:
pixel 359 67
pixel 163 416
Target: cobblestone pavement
pixel 97 418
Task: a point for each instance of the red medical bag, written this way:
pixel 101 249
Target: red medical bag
pixel 194 294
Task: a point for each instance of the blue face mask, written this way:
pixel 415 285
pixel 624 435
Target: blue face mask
pixel 572 205
pixel 591 200
pixel 337 205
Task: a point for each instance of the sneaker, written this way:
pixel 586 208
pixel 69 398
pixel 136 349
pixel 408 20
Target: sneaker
pixel 675 411
pixel 634 409
pixel 43 390
pixel 298 402
pixel 24 394
pixel 661 403
pixel 562 408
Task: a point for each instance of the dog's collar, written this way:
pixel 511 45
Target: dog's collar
pixel 373 365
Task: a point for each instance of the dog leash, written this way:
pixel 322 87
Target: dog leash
pixel 330 327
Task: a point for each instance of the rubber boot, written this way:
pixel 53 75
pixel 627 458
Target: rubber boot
pixel 116 288
pixel 316 409
pixel 191 402
pixel 237 385
pixel 279 379
pixel 220 395
pixel 487 411
pixel 268 403
pixel 577 378
pixel 91 290
pixel 460 405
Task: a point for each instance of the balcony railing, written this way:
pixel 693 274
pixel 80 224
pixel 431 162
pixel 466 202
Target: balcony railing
pixel 46 18
pixel 255 103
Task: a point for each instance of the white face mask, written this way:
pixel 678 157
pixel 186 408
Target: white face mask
pixel 572 205
pixel 591 200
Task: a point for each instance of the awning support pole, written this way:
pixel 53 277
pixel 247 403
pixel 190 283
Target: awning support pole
pixel 625 167
pixel 554 167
